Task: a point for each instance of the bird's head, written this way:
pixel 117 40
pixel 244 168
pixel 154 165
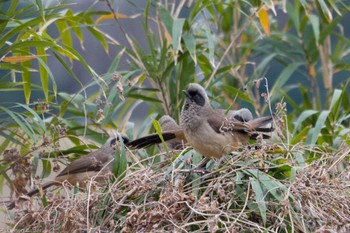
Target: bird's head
pixel 196 94
pixel 115 139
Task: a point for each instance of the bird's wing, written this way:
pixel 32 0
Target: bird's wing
pixel 93 161
pixel 252 127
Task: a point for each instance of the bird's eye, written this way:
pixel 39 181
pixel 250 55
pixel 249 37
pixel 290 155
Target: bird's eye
pixel 113 142
pixel 192 93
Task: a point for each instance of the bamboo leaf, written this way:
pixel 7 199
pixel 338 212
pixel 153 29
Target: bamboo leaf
pixel 111 16
pixel 19 59
pixel 303 116
pixel 318 127
pixel 190 42
pixel 176 34
pixel 21 122
pixel 282 79
pixel 259 198
pixel 315 22
pixel 264 20
pixel 44 73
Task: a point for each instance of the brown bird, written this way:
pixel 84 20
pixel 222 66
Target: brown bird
pixel 96 164
pixel 210 132
pixel 168 124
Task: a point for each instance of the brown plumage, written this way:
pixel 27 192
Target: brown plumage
pixel 210 132
pixel 95 164
pixel 168 124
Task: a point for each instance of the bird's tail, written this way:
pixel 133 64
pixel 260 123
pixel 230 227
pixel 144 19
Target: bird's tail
pixel 150 140
pixel 258 126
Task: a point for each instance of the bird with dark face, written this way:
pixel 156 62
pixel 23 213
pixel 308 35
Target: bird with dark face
pixel 96 165
pixel 209 131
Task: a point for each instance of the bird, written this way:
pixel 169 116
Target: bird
pixel 242 115
pixel 209 131
pixel 167 123
pixel 95 164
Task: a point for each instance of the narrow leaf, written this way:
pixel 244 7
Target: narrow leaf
pixel 302 117
pixel 315 22
pixel 15 59
pixel 111 16
pixel 264 21
pixel 44 74
pixel 318 127
pixel 176 34
pixel 259 198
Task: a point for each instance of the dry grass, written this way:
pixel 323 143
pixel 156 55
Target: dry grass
pixel 164 197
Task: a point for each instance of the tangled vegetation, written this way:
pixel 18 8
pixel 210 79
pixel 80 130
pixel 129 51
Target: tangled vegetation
pixel 285 58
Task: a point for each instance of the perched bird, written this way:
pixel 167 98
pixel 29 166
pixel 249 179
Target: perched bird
pixel 167 124
pixel 210 132
pixel 242 115
pixel 95 164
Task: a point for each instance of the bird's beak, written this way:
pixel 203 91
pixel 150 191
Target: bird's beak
pixel 186 94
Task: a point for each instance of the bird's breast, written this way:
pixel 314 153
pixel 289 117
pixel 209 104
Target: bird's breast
pixel 210 143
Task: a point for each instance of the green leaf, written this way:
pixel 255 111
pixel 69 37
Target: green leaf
pixel 303 116
pixel 35 164
pixel 44 72
pixel 190 42
pixel 167 19
pixel 65 32
pixel 158 129
pixel 259 197
pixel 282 79
pixel 35 117
pixel 301 136
pixel 274 187
pixel 115 63
pixel 325 9
pixel 21 122
pixel 99 36
pixel 263 64
pixel 26 82
pixel 315 22
pixel 211 43
pixel 318 127
pixel 176 34
pixel 120 161
pixel 330 28
pixel 145 98
pixel 235 92
pixel 293 12
pixel 336 102
pixel 47 168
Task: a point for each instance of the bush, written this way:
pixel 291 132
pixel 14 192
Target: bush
pixel 296 182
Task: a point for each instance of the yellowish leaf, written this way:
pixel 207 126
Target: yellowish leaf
pixel 111 16
pixel 312 71
pixel 21 58
pixel 264 21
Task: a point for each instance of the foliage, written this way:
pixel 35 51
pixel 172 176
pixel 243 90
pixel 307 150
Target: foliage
pixel 230 48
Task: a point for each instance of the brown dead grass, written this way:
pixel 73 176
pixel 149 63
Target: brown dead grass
pixel 160 199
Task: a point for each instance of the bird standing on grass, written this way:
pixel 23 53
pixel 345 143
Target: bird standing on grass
pixel 210 132
pixel 96 164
